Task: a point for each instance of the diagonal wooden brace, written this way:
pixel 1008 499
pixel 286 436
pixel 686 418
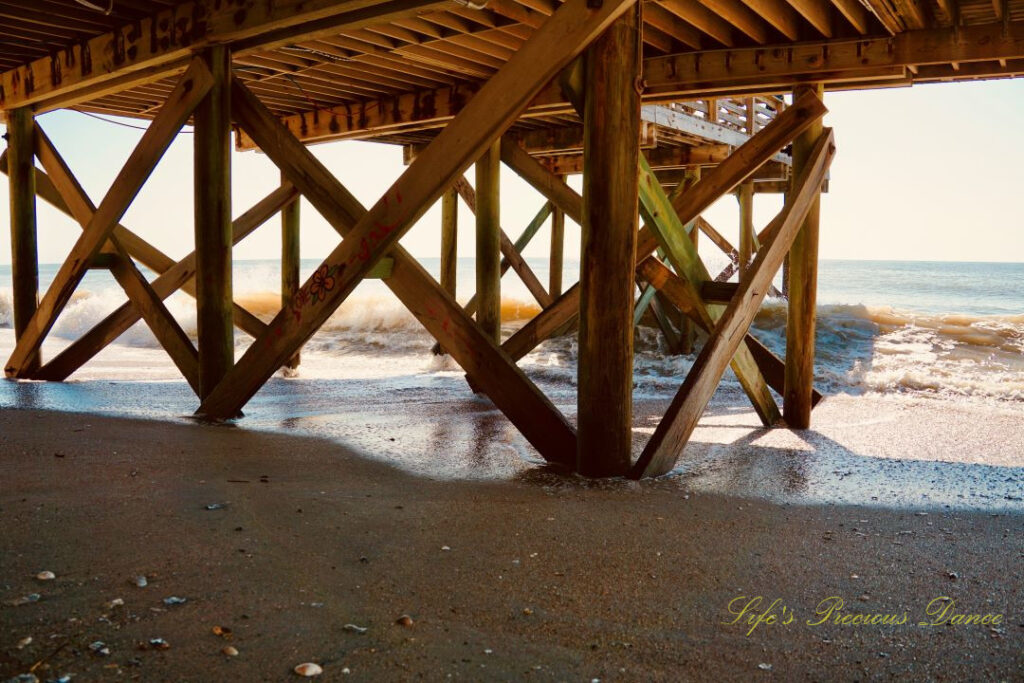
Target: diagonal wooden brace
pixel 177 276
pixel 512 258
pixel 166 330
pixel 735 169
pixel 679 294
pixel 191 88
pixel 672 433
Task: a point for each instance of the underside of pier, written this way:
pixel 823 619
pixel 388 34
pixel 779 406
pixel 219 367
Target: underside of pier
pixel 663 106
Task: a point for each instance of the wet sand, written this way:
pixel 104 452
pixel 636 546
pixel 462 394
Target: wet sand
pixel 535 576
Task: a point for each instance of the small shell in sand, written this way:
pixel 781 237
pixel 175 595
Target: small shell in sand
pixel 308 669
pixel 229 651
pixel 46 576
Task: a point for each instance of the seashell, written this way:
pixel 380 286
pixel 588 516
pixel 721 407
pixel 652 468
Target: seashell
pixel 229 651
pixel 175 600
pixel 159 644
pixel 46 576
pixel 216 506
pixel 25 600
pixel 404 620
pixel 222 631
pixel 116 602
pixel 24 642
pixel 140 581
pixel 308 669
pixel 99 648
pixel 352 628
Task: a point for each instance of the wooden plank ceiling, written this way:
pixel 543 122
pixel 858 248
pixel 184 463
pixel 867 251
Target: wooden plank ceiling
pixel 455 44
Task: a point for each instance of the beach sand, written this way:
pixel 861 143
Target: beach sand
pixel 534 576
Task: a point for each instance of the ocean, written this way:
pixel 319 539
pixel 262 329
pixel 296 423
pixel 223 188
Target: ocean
pixel 949 336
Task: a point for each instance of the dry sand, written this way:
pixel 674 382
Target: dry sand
pixel 535 578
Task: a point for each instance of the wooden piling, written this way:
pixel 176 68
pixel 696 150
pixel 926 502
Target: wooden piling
pixel 745 195
pixel 557 251
pixel 803 287
pixel 449 239
pixel 212 159
pixel 24 250
pixel 610 207
pixel 488 242
pixel 290 231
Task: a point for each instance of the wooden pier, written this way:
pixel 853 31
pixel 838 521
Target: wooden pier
pixel 664 106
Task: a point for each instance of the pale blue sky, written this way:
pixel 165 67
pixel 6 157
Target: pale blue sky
pixel 933 172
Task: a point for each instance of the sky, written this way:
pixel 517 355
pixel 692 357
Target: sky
pixel 933 173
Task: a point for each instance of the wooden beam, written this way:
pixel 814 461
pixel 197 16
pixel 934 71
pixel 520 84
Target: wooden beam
pixel 803 287
pixel 745 197
pixel 138 248
pixel 24 243
pixel 660 158
pixel 488 242
pixel 680 295
pixel 140 294
pixel 511 257
pixel 688 74
pixel 543 180
pixel 555 266
pixel 212 181
pixel 449 240
pixel 818 14
pixel 720 180
pixel 146 49
pixel 176 276
pixel 659 456
pixel 373 233
pixel 189 91
pixel 611 119
pixel 291 229
pixel 569 139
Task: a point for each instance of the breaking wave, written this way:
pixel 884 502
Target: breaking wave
pixel 859 348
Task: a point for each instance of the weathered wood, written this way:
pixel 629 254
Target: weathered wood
pixel 556 266
pixel 155 44
pixel 488 242
pixel 668 158
pixel 449 240
pixel 511 257
pixel 718 292
pixel 520 400
pixel 745 197
pixel 521 243
pixel 191 88
pixel 291 230
pixel 659 456
pixel 171 278
pixel 543 180
pixel 688 206
pixel 138 248
pixel 803 287
pixel 212 180
pixel 166 330
pixel 24 247
pixel 670 232
pixel 611 118
pixel 140 294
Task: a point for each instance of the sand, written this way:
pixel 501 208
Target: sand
pixel 537 577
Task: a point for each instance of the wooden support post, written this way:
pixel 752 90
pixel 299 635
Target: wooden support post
pixel 488 242
pixel 671 435
pixel 688 333
pixel 803 288
pixel 449 240
pixel 290 258
pixel 745 196
pixel 213 224
pixel 611 122
pixel 557 250
pixel 24 250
